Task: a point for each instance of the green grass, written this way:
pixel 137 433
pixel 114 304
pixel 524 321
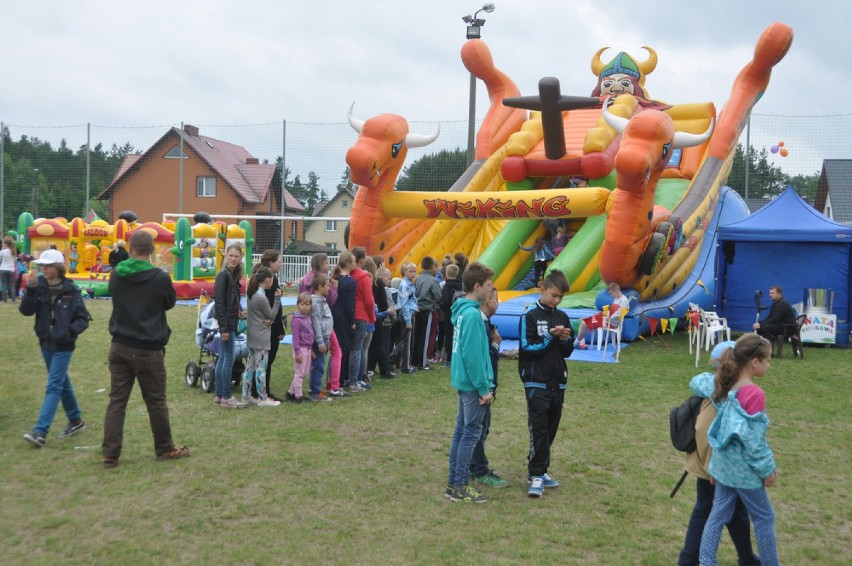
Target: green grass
pixel 360 480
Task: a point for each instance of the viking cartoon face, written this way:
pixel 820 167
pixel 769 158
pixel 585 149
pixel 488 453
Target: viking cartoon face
pixel 622 75
pixel 616 84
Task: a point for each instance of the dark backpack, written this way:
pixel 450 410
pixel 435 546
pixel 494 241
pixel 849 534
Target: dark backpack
pixel 682 424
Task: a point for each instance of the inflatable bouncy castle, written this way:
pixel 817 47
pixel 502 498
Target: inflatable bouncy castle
pixel 191 254
pixel 637 184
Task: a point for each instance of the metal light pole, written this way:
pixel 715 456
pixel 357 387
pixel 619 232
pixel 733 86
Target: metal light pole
pixel 34 196
pixel 474 25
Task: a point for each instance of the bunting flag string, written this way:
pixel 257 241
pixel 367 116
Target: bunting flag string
pixel 673 324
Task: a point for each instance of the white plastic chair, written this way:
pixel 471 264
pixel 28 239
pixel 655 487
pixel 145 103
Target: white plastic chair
pixel 599 331
pixel 713 325
pixel 693 318
pixel 596 337
pixel 613 325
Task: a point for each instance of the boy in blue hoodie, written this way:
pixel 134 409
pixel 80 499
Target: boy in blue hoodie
pixel 482 472
pixel 472 377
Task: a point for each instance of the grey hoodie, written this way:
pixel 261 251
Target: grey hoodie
pixel 321 320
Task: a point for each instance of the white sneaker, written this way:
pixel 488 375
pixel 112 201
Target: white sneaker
pixel 268 403
pixel 536 486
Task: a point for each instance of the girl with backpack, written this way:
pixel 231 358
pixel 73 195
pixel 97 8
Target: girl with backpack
pixel 742 464
pixel 694 431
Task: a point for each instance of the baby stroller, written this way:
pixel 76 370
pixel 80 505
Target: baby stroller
pixel 210 344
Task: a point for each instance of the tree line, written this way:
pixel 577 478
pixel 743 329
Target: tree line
pixel 51 182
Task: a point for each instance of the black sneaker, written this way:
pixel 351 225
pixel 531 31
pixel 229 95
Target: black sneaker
pixel 72 429
pixel 36 438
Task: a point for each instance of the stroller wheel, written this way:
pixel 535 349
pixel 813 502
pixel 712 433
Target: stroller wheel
pixel 191 374
pixel 208 378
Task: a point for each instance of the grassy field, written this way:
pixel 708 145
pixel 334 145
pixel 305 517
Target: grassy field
pixel 361 480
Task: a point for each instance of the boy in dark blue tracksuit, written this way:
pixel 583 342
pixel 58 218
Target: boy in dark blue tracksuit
pixel 545 341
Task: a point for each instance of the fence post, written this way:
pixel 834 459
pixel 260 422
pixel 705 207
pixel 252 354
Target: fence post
pixel 180 172
pixel 88 166
pixel 747 154
pixel 2 180
pixel 283 182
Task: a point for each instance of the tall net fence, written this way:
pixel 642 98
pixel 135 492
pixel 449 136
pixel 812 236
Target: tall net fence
pixel 62 170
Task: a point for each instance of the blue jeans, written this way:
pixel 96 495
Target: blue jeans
pixel 58 389
pixel 225 366
pixel 738 527
pixel 317 371
pixel 467 433
pixel 479 462
pixel 356 351
pixel 759 510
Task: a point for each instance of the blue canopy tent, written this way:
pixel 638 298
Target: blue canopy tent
pixel 786 243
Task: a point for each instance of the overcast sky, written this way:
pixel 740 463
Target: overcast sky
pixel 215 62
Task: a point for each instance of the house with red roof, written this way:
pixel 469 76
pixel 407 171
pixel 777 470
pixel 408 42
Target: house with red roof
pixel 217 177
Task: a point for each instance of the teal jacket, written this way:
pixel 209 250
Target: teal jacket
pixel 471 367
pixel 741 457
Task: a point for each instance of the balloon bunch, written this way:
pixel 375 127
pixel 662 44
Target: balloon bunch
pixel 779 148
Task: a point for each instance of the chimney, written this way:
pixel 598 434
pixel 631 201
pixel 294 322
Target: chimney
pixel 252 161
pixel 191 130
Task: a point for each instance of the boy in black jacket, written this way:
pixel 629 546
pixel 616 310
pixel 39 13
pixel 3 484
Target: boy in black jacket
pixel 452 286
pixel 545 333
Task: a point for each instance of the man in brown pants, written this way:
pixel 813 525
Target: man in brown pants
pixel 141 294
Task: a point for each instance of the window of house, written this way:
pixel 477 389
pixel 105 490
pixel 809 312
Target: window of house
pixel 331 225
pixel 174 153
pixel 205 186
pixel 344 203
pixel 331 245
pixel 294 230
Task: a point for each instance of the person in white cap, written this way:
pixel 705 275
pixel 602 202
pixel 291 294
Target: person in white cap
pixel 60 316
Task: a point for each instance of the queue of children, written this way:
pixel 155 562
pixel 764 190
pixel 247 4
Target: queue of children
pixel 353 315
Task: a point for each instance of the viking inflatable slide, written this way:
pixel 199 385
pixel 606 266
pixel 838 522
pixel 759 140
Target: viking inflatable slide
pixel 636 186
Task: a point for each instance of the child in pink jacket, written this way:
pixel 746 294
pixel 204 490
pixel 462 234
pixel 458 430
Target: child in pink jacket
pixel 303 338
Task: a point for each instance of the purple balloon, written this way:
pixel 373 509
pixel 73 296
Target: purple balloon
pixel 774 149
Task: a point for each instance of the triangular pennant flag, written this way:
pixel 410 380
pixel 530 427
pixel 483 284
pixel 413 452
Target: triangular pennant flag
pixel 91 217
pixel 664 323
pixel 653 322
pixel 673 324
pixel 695 318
